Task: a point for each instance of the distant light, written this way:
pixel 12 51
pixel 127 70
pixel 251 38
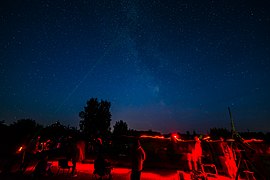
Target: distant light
pixel 253 140
pixel 20 149
pixel 155 137
pixel 206 138
pixel 175 136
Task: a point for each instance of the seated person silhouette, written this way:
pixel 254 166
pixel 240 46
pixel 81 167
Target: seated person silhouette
pixel 102 166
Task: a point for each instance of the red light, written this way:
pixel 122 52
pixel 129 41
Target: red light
pixel 155 137
pixel 206 138
pixel 20 149
pixel 175 136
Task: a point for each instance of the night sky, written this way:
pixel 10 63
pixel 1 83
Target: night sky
pixel 172 65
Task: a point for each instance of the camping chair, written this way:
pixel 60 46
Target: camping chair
pixel 249 175
pixel 63 164
pixel 210 170
pixel 207 170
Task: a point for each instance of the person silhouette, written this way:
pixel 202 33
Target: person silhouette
pixel 72 153
pixel 43 167
pixel 197 153
pixel 138 158
pixel 102 166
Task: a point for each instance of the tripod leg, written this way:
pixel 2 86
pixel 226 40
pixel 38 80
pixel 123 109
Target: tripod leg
pixel 238 169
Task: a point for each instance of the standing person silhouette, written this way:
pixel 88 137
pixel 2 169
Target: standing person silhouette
pixel 197 154
pixel 72 154
pixel 138 156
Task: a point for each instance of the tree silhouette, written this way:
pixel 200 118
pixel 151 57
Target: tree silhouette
pixel 2 123
pixel 25 127
pixel 4 138
pixel 96 118
pixel 120 128
pixel 55 131
pixel 24 130
pixel 216 133
pixel 3 128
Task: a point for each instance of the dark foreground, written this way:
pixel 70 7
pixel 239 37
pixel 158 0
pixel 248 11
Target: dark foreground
pixel 85 172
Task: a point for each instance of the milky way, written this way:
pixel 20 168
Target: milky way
pixel 163 65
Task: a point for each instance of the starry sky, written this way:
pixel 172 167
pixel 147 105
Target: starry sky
pixel 165 65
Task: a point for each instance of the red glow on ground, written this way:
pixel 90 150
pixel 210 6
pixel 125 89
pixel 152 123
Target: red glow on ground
pixel 85 171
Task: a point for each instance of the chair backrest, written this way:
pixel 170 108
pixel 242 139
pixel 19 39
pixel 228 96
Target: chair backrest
pixel 63 163
pixel 209 169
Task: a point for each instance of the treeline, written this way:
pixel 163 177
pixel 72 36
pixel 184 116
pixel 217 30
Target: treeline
pixel 95 122
pixel 225 133
pixel 22 131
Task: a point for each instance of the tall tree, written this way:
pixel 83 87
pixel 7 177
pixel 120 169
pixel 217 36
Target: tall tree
pixel 96 118
pixel 120 128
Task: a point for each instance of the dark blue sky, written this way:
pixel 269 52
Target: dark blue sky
pixel 163 65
